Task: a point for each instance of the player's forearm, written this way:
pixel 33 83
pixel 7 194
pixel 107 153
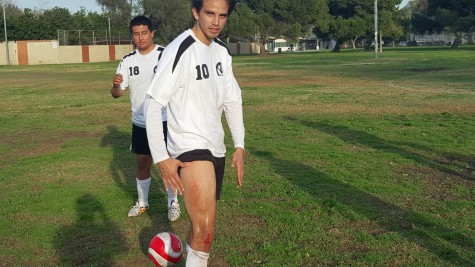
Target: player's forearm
pixel 153 122
pixel 234 117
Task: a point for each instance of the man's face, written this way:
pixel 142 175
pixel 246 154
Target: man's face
pixel 142 37
pixel 211 19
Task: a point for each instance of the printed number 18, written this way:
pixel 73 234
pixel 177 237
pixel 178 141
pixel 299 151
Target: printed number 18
pixel 134 71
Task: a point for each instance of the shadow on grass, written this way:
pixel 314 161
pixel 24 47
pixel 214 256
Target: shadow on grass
pixel 416 228
pixel 93 240
pixel 122 165
pixel 122 170
pixel 452 164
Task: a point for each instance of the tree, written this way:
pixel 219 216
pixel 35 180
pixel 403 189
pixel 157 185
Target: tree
pixel 118 11
pixel 457 17
pixel 299 16
pixel 44 24
pixel 122 7
pixel 11 11
pixel 171 16
pixel 389 23
pixel 267 28
pixel 284 18
pixel 241 25
pixel 25 26
pixel 405 15
pixel 55 19
pixel 354 19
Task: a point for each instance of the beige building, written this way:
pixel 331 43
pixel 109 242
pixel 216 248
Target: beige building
pixel 50 52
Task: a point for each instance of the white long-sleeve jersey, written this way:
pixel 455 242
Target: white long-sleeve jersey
pixel 196 83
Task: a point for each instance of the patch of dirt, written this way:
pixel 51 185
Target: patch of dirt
pixel 367 96
pixel 369 227
pixel 279 79
pixel 37 143
pixel 216 259
pixel 246 226
pixel 342 108
pixel 438 185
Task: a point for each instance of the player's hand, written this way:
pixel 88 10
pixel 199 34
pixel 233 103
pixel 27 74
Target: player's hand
pixel 116 92
pixel 237 163
pixel 169 170
pixel 117 81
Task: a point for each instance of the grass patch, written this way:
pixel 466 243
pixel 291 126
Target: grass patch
pixel 351 161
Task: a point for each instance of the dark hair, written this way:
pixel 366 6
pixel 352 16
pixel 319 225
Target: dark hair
pixel 198 4
pixel 141 20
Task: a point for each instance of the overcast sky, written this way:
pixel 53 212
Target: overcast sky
pixel 72 5
pixel 404 3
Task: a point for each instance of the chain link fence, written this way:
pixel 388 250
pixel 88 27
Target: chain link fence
pixel 92 37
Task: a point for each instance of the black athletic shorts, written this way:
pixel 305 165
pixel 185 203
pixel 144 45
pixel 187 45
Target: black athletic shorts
pixel 140 141
pixel 205 154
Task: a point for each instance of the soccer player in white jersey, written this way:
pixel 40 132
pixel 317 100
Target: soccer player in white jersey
pixel 195 81
pixel 135 72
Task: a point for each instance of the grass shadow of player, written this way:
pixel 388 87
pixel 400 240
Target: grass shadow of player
pixel 457 165
pixel 413 226
pixel 93 239
pixel 122 170
pixel 440 239
pixel 122 165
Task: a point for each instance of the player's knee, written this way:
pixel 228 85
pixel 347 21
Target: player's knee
pixel 143 162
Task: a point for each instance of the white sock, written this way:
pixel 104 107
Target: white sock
pixel 172 196
pixel 143 186
pixel 196 258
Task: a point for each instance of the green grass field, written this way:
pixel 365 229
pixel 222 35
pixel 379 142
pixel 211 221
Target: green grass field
pixel 351 161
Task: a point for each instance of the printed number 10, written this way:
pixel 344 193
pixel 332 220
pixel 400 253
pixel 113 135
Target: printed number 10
pixel 202 71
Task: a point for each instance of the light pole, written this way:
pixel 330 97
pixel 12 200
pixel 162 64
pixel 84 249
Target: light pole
pixel 130 9
pixel 110 37
pixel 376 29
pixel 6 38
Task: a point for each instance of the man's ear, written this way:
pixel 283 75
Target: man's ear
pixel 195 12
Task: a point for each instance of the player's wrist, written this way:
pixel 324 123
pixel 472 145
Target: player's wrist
pixel 239 151
pixel 161 159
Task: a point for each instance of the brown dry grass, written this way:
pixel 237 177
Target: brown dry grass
pixel 364 97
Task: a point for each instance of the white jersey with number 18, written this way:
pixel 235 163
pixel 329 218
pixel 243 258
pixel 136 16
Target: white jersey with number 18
pixel 137 72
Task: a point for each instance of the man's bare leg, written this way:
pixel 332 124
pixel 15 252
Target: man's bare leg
pixel 200 202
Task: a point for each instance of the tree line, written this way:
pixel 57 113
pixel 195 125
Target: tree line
pixel 259 20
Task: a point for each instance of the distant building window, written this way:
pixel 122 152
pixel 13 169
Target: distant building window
pixel 281 44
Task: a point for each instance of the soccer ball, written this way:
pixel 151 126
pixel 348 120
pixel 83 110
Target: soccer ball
pixel 165 249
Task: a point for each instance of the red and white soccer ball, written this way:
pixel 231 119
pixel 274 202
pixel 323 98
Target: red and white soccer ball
pixel 165 249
